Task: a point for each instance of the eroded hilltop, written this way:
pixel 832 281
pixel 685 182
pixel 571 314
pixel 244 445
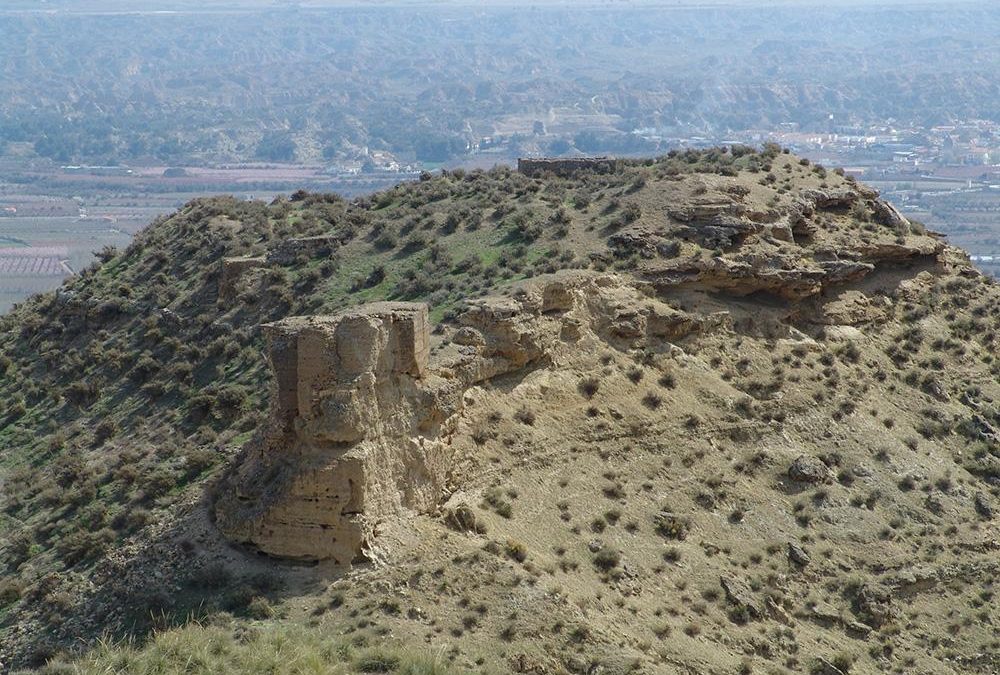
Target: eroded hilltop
pixel 716 412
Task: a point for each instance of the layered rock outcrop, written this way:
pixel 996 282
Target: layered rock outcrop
pixel 790 277
pixel 715 224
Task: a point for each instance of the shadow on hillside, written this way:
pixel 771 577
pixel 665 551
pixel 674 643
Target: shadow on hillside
pixel 186 571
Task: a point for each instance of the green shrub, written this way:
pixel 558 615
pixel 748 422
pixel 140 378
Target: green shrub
pixel 10 591
pixel 606 558
pixel 670 526
pixel 378 662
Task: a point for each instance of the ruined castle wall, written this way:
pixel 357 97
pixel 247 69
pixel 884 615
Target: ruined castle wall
pixel 345 405
pixel 233 270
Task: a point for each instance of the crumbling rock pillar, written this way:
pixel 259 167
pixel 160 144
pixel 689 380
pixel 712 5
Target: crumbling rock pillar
pixel 352 437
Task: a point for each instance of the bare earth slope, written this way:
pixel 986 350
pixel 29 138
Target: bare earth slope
pixel 751 426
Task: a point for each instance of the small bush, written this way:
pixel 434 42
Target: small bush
pixel 607 558
pixel 525 416
pixel 10 591
pixel 494 499
pixel 588 387
pixel 670 526
pixel 516 550
pixel 260 608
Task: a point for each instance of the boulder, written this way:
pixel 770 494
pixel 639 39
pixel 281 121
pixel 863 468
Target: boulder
pixel 739 595
pixel 807 469
pixel 797 555
pixel 888 215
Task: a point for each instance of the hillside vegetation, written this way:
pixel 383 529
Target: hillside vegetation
pixel 801 476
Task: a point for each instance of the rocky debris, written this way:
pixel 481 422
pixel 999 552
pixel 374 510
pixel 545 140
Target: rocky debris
pixel 233 270
pixel 807 469
pixel 983 506
pixel 797 555
pixel 640 240
pixel 741 597
pixel 873 605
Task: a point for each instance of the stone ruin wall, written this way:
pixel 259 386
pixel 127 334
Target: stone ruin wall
pixel 347 411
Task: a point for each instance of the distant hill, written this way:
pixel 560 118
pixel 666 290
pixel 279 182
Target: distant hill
pixel 432 83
